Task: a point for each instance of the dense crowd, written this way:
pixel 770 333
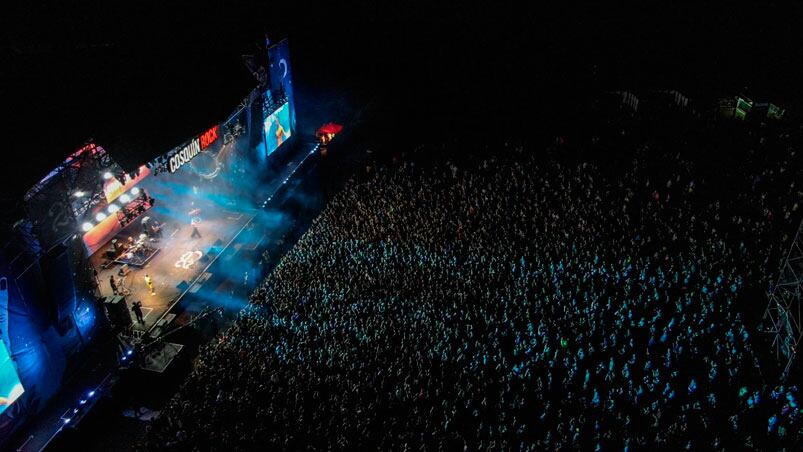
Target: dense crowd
pixel 517 301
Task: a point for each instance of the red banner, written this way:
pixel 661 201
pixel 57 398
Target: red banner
pixel 209 137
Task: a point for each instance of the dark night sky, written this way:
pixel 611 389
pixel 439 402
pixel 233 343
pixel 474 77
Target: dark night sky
pixel 161 72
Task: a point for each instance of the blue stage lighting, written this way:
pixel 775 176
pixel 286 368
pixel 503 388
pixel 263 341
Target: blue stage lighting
pixel 82 402
pixel 84 317
pixel 67 421
pixel 129 352
pixel 91 393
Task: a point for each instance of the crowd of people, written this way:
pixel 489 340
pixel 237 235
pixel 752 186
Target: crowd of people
pixel 521 300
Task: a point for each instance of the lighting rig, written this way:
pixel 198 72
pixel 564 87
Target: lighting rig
pixel 125 209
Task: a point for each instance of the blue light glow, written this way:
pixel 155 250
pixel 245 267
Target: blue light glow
pixel 84 317
pixel 10 387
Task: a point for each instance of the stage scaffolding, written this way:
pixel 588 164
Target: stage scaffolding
pixel 783 314
pixel 52 203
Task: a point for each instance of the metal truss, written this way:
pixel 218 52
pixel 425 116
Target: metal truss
pixel 783 314
pixel 80 171
pixel 271 106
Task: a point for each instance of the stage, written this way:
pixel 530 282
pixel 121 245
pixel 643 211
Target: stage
pixel 273 229
pixel 178 261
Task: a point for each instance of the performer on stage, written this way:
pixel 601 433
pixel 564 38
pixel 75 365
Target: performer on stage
pixel 195 220
pixel 137 308
pixel 113 284
pixel 149 283
pixel 156 229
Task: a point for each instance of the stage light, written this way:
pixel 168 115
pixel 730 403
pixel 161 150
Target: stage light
pixel 113 208
pixel 67 421
pixel 75 410
pixel 78 194
pixel 107 175
pixel 135 191
pixel 125 198
pixel 100 216
pixel 91 393
pixel 82 402
pixel 129 352
pixel 86 227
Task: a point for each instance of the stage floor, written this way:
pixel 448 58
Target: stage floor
pixel 181 261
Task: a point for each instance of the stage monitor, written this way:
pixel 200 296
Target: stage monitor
pixel 10 387
pixel 277 127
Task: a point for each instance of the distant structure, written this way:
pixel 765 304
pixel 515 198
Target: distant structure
pixel 629 100
pixel 768 110
pixel 736 107
pixel 783 314
pixel 742 108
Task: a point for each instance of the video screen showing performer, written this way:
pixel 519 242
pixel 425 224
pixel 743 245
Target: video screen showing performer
pixel 277 128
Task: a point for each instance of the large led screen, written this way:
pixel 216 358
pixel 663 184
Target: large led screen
pixel 277 127
pixel 10 386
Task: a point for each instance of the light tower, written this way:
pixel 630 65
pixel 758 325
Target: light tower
pixel 783 314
